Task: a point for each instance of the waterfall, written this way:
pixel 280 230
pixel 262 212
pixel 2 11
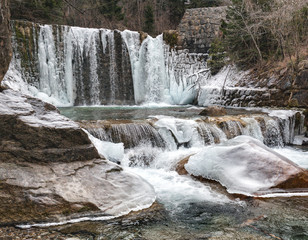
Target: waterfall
pixel 70 66
pixel 73 66
pixel 131 134
pixel 165 133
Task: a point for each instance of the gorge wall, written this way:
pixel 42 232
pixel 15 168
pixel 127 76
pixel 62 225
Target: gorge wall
pixel 5 40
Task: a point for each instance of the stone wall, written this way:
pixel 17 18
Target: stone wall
pixel 277 91
pixel 199 27
pixel 5 39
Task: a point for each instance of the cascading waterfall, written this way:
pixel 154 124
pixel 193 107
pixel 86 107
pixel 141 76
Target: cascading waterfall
pixel 172 133
pixel 131 134
pixel 72 66
pixel 162 74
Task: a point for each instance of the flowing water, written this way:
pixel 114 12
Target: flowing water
pixel 151 142
pixel 72 66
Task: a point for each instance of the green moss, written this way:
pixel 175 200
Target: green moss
pixel 293 103
pixel 171 38
pixel 217 56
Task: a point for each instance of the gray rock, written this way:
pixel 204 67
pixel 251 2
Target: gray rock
pixel 32 130
pixel 49 168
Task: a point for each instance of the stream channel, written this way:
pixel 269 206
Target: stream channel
pixel 187 208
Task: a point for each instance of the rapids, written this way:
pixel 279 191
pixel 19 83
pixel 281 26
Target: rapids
pixel 81 69
pixel 201 208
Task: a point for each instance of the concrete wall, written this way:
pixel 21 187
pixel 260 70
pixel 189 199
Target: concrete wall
pixel 199 27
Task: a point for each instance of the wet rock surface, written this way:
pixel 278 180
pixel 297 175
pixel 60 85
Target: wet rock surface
pixel 50 170
pixel 5 38
pixel 34 131
pixel 213 111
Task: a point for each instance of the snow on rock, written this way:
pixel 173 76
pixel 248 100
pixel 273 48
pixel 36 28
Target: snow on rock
pixel 114 152
pixel 246 166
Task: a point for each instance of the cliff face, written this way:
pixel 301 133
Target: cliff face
pixel 5 38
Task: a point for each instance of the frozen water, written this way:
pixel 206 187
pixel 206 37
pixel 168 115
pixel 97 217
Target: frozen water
pixel 243 165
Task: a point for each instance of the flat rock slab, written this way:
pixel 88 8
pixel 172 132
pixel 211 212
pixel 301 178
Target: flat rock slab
pixel 75 187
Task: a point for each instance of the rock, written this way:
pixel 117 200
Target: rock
pixel 36 192
pixel 180 169
pixel 5 38
pixel 246 166
pixel 32 130
pixel 143 36
pixel 302 98
pixel 213 111
pixel 199 27
pixel 50 168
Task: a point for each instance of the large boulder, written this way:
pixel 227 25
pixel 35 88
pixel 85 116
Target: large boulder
pixel 40 192
pixel 5 38
pixel 246 166
pixel 33 131
pixel 49 168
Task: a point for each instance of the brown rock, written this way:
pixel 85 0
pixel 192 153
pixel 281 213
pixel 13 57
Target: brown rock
pixel 5 38
pixel 34 131
pixel 180 168
pixel 299 180
pixel 213 111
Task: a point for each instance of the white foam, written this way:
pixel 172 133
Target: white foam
pixel 173 189
pixel 298 156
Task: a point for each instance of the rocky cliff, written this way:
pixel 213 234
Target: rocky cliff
pixel 5 38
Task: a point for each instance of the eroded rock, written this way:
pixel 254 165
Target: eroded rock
pixel 33 131
pixel 83 188
pixel 50 170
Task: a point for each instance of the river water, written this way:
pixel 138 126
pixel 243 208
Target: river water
pixel 188 208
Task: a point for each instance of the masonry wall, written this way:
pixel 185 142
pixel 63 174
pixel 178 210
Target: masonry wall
pixel 199 27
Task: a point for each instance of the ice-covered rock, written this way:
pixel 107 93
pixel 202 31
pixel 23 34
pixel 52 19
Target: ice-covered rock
pixel 76 187
pixel 246 166
pixel 50 168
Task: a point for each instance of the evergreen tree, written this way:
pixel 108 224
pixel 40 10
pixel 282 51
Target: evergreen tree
pixel 149 20
pixel 111 10
pixel 204 3
pixel 177 10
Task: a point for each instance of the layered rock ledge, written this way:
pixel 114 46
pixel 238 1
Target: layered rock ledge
pixel 49 169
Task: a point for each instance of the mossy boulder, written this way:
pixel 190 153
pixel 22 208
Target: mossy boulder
pixel 171 37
